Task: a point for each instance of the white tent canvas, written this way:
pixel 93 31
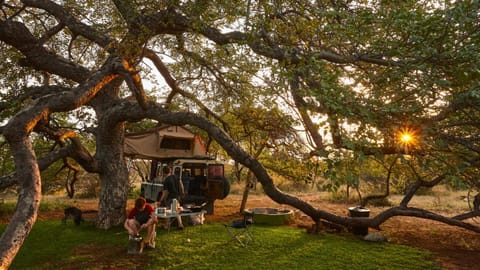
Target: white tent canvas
pixel 164 142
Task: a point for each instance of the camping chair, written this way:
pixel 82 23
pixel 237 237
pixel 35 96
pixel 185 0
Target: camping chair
pixel 240 230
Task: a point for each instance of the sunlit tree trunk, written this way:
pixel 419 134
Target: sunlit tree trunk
pixel 29 196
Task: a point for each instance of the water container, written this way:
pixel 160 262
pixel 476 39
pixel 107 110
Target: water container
pixel 356 212
pixel 174 205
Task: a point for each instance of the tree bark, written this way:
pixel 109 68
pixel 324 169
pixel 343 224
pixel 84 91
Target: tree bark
pixel 113 178
pixel 248 186
pixel 113 170
pixel 29 196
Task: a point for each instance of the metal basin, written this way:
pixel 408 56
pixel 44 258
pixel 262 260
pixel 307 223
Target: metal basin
pixel 271 216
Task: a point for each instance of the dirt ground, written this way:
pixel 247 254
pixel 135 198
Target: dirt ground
pixel 452 247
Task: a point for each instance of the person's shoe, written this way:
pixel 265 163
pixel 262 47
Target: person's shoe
pixel 135 237
pixel 180 228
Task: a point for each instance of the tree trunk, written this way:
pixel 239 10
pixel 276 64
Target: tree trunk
pixel 114 183
pixel 248 186
pixel 28 177
pixel 245 197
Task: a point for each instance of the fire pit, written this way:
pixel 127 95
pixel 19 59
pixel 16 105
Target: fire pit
pixel 270 216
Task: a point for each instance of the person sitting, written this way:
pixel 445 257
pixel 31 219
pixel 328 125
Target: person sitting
pixel 142 217
pixel 172 189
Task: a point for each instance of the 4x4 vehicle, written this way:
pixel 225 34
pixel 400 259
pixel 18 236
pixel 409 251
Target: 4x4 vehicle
pixel 203 181
pixel 179 148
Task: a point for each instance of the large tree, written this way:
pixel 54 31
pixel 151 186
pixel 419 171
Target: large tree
pixel 354 72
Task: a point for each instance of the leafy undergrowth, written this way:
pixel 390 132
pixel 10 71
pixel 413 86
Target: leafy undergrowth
pixel 54 245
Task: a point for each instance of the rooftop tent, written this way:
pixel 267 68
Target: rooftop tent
pixel 164 142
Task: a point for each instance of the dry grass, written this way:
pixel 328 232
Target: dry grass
pixel 439 199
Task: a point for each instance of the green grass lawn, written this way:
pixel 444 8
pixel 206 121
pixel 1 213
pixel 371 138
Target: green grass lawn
pixel 52 245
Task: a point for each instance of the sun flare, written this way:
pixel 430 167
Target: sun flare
pixel 407 137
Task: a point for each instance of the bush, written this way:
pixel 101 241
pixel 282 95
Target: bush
pixel 424 191
pixel 87 187
pixel 134 192
pixel 380 202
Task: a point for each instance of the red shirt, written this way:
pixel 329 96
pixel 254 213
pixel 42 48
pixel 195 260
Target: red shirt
pixel 141 216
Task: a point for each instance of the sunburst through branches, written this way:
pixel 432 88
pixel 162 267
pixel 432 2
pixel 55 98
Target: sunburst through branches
pixel 407 138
